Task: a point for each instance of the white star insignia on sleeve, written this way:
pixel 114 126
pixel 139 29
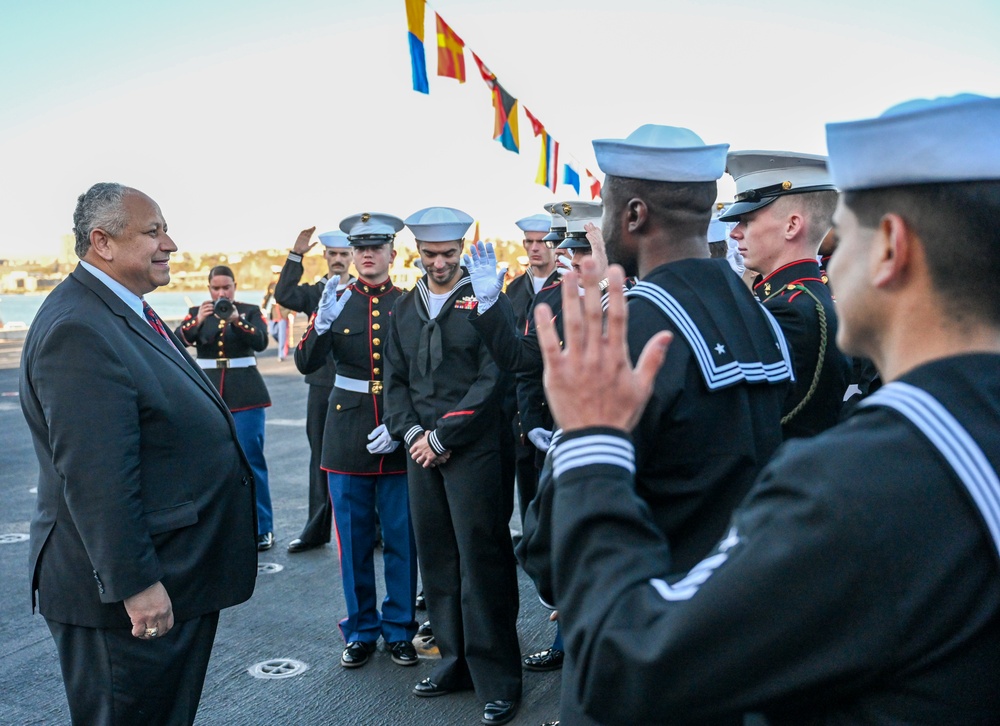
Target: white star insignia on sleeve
pixel 720 349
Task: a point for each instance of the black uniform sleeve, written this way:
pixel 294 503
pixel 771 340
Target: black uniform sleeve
pixel 532 406
pixel 251 327
pixel 511 350
pixel 400 416
pixel 460 426
pixel 288 293
pixel 313 351
pixel 534 551
pixel 189 329
pixel 776 611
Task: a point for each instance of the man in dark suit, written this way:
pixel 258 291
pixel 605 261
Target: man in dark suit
pixel 133 550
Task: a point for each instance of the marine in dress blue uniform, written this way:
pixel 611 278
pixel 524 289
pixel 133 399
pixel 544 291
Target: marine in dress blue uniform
pixel 783 209
pixel 226 351
pixel 364 464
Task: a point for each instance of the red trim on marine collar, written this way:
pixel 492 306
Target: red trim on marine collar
pixel 359 284
pixel 785 267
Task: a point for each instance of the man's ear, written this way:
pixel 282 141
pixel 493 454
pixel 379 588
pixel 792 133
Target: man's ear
pixel 794 224
pixel 100 242
pixel 893 251
pixel 636 214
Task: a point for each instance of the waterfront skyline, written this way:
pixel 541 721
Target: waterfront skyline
pixel 250 121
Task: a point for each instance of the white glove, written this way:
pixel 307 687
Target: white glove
pixel 541 438
pixel 329 307
pixel 487 280
pixel 564 263
pixel 381 441
pixel 734 257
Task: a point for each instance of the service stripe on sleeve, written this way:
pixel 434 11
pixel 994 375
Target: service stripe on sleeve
pixel 591 450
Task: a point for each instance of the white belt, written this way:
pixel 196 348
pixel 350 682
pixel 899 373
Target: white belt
pixel 227 362
pixel 357 385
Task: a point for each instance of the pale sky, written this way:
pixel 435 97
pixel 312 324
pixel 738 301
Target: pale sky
pixel 248 121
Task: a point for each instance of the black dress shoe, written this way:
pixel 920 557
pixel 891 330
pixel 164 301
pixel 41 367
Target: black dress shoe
pixel 403 653
pixel 498 712
pixel 421 603
pixel 428 689
pixel 265 541
pixel 300 545
pixel 546 660
pixel 425 631
pixel 356 654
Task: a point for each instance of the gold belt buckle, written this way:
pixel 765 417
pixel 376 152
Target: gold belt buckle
pixel 222 363
pixel 376 387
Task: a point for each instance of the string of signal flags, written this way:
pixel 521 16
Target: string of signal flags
pixel 451 64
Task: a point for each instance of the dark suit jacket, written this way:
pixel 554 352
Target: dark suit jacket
pixel 141 477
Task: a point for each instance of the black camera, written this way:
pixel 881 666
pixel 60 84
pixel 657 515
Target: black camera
pixel 222 308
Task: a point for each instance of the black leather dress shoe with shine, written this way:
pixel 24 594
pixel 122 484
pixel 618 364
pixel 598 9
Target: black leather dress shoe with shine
pixel 403 653
pixel 265 541
pixel 498 712
pixel 428 689
pixel 546 660
pixel 300 545
pixel 356 654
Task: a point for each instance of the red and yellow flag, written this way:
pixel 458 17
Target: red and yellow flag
pixel 451 52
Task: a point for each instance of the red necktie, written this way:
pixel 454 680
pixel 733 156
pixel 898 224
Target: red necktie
pixel 157 324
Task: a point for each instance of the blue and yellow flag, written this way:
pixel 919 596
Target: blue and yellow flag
pixel 415 24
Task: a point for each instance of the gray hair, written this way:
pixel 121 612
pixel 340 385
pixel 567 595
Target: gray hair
pixel 100 207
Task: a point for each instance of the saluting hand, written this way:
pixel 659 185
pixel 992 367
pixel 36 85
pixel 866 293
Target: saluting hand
pixel 330 306
pixel 302 242
pixel 598 250
pixel 589 380
pixel 487 279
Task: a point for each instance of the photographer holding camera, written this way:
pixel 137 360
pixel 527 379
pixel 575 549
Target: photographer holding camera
pixel 226 334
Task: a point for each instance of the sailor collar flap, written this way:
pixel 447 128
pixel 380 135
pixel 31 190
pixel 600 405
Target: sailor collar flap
pixel 732 341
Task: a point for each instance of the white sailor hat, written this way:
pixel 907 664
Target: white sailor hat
pixel 718 231
pixel 661 153
pixel 335 239
pixel 439 224
pixel 370 229
pixel 535 223
pixel 763 176
pixel 557 224
pixel 939 141
pixel 577 215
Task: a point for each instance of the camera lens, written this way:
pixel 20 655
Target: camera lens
pixel 222 308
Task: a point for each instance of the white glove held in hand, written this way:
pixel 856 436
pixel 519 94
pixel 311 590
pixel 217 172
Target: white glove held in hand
pixel 487 280
pixel 541 438
pixel 381 441
pixel 734 257
pixel 329 307
pixel 564 263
